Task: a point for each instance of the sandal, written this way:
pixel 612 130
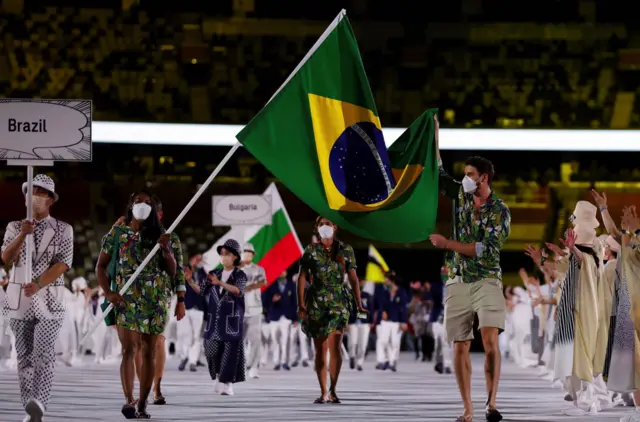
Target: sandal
pixel 159 400
pixel 463 418
pixel 142 412
pixel 334 399
pixel 129 410
pixel 320 400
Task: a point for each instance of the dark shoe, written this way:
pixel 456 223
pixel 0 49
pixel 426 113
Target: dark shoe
pixel 305 364
pixel 334 399
pixel 628 400
pixel 183 364
pixel 159 400
pixel 129 410
pixel 172 349
pixel 568 397
pixel 380 366
pixel 359 367
pixel 447 370
pixel 352 363
pixel 286 367
pixel 393 368
pixel 320 400
pixel 200 364
pixel 276 368
pixel 193 368
pixel 295 364
pixel 385 366
pixel 438 368
pixel 492 415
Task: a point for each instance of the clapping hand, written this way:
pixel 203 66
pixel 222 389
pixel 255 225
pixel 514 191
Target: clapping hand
pixel 214 280
pixel 599 199
pixel 534 253
pixel 570 240
pixel 555 249
pixel 630 218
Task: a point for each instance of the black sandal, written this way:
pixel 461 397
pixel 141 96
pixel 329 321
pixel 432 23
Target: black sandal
pixel 320 400
pixel 159 400
pixel 129 410
pixel 142 412
pixel 334 399
pixel 463 418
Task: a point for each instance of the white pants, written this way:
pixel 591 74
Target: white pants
pixel 253 340
pixel 189 333
pixel 388 342
pixel 102 339
pixel 265 336
pixel 280 339
pixel 68 338
pixel 358 341
pixel 443 347
pixel 303 350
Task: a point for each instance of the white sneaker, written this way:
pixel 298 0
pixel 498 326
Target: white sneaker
pixel 227 389
pixel 253 373
pixel 35 410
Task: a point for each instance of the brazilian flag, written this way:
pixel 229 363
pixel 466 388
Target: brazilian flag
pixel 321 136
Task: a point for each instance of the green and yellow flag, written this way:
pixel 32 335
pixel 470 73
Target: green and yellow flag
pixel 321 136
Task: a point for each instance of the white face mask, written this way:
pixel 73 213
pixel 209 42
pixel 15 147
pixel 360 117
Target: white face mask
pixel 141 211
pixel 469 185
pixel 39 203
pixel 247 256
pixel 325 231
pixel 227 260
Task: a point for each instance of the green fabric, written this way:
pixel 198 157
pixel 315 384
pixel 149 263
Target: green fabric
pixel 282 138
pixel 112 271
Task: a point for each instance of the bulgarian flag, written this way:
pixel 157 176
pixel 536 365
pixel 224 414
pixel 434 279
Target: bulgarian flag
pixel 277 245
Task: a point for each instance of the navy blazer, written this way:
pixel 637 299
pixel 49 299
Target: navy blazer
pixel 396 307
pixel 368 304
pixel 437 295
pixel 225 312
pixel 287 306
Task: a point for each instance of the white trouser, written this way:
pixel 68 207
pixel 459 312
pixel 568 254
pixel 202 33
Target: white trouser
pixel 68 338
pixel 101 339
pixel 303 351
pixel 280 338
pixel 358 341
pixel 253 340
pixel 265 336
pixel 388 342
pixel 189 330
pixel 443 347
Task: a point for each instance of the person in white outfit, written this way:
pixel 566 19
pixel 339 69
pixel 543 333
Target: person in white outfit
pixel 252 332
pixel 360 331
pixel 68 339
pixel 189 328
pixel 35 310
pixel 391 327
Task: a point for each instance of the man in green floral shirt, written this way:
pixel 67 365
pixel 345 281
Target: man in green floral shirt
pixel 481 224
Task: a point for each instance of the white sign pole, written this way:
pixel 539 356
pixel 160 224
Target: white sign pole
pixel 29 239
pixel 173 226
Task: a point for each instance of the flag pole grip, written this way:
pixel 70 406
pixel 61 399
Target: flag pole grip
pixel 171 228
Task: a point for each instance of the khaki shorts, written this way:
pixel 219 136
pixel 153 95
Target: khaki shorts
pixel 464 300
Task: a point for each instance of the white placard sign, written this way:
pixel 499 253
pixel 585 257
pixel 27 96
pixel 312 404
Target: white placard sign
pixel 45 130
pixel 241 210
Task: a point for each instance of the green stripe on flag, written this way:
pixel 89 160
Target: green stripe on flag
pixel 268 236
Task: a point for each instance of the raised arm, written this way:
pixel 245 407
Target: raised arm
pixel 448 186
pixel 601 201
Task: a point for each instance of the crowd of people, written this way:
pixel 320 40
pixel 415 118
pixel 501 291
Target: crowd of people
pixel 575 317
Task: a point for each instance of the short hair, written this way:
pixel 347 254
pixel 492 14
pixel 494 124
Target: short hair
pixel 483 166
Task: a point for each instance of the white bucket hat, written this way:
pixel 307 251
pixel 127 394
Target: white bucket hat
pixel 42 181
pixel 248 247
pixel 585 215
pixel 612 244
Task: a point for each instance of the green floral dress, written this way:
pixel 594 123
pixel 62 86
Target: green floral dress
pixel 146 304
pixel 328 300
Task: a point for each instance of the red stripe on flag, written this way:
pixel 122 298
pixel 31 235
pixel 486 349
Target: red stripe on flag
pixel 280 257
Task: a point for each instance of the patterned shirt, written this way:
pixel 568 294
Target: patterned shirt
pixel 487 226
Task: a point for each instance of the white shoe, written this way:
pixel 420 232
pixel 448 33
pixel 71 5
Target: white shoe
pixel 217 387
pixel 12 363
pixel 227 389
pixel 27 418
pixel 35 410
pixel 253 373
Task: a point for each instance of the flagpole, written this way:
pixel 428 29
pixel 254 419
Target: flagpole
pixel 173 226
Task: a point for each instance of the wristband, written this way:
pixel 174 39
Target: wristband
pixel 180 299
pixel 637 232
pixel 38 283
pixel 542 260
pixel 603 208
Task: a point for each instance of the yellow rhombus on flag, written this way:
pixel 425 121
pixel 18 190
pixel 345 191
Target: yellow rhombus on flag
pixel 376 266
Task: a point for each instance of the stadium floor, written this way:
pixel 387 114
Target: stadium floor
pixel 415 393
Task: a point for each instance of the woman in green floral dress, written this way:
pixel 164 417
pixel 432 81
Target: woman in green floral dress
pixel 328 304
pixel 141 314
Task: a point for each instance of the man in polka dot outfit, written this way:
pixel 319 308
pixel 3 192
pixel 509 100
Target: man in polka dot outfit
pixel 35 307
